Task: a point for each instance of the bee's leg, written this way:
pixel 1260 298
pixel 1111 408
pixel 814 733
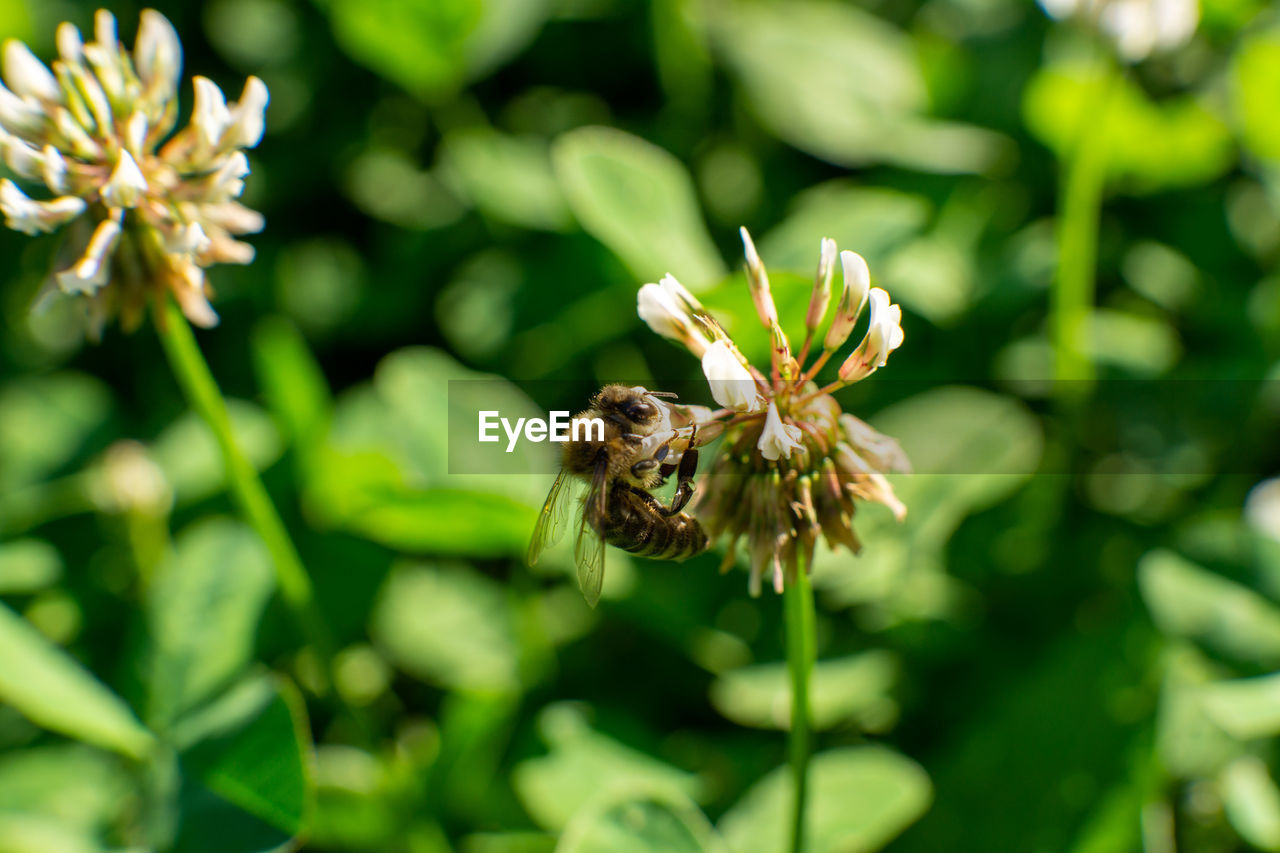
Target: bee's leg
pixel 684 476
pixel 644 466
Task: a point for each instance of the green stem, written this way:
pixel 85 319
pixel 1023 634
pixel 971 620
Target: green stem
pixel 1084 175
pixel 798 603
pixel 197 382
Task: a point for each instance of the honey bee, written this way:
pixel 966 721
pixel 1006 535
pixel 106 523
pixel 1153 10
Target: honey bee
pixel 639 450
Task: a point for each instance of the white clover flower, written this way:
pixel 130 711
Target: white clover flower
pixel 732 385
pixel 795 462
pixel 884 335
pixel 778 439
pixel 1138 28
pixel 857 283
pixel 758 280
pixel 671 310
pixel 148 210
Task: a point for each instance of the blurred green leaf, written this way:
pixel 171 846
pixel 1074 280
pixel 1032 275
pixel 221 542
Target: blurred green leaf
pixel 508 842
pixel 869 220
pixel 355 801
pixel 52 689
pixel 1143 345
pixel 203 609
pixel 1188 601
pixel 842 689
pixel 645 824
pixel 292 382
pixel 417 384
pixel 1252 802
pixel 27 566
pixel 1256 78
pixel 504 29
pixel 860 798
pixel 1189 742
pixel 75 786
pixel 449 626
pixel 584 764
pixel 432 48
pixel 22 833
pixel 44 422
pixel 1245 708
pixel 366 494
pixel 638 200
pixel 15 22
pixel 843 85
pixel 246 777
pixel 991 445
pixel 387 184
pixel 420 46
pixel 188 453
pixel 507 177
pixel 1176 142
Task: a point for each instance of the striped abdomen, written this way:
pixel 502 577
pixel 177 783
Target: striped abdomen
pixel 634 524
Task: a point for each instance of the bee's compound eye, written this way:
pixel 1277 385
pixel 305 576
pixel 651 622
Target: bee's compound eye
pixel 641 411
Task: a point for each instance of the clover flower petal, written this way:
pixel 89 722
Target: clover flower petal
pixel 793 464
pixel 94 132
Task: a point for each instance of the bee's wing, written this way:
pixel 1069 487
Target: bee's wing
pixel 588 551
pixel 588 547
pixel 554 518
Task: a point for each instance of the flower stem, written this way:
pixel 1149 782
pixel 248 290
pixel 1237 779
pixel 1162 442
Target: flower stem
pixel 1084 174
pixel 798 603
pixel 193 374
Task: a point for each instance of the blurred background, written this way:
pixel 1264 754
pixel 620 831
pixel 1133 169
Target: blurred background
pixel 1067 646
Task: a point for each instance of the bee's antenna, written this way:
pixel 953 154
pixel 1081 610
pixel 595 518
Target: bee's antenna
pixel 669 394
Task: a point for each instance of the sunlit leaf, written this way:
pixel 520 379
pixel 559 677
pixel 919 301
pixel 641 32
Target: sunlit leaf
pixel 868 220
pixel 1256 75
pixel 188 453
pixel 508 842
pixel 1246 708
pixel 507 177
pixel 354 800
pixel 639 201
pixel 1189 741
pixel 1188 601
pixel 449 626
pixel 1252 802
pixel 860 798
pixel 53 690
pixel 28 565
pixel 203 609
pixel 1146 346
pixel 841 689
pixel 420 46
pixel 77 786
pixel 843 85
pixel 1150 145
pixel 583 765
pixel 653 824
pixel 990 447
pixel 24 833
pixel 44 422
pixel 293 383
pixel 246 776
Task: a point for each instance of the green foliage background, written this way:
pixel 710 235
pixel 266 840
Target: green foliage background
pixel 1070 645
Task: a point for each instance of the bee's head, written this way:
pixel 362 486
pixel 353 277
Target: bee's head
pixel 634 404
